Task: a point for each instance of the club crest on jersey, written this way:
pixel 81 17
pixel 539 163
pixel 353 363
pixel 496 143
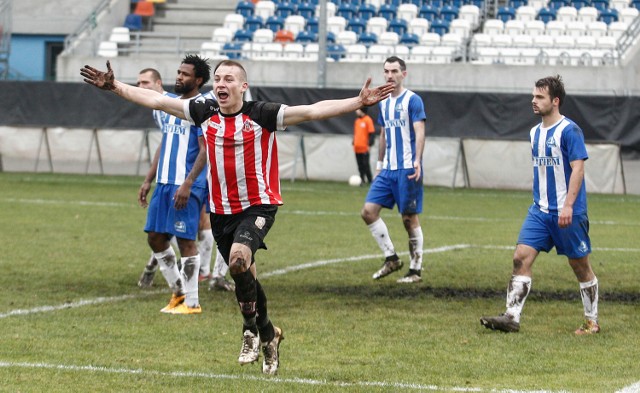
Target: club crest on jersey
pixel 551 142
pixel 398 107
pixel 247 126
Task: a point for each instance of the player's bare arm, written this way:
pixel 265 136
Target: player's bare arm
pixel 329 108
pixel 145 97
pixel 575 182
pixel 418 127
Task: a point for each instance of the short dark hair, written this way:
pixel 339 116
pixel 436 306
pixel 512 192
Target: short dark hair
pixel 554 86
pixel 200 66
pixel 154 73
pixel 396 59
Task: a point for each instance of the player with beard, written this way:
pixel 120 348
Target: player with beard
pixel 180 193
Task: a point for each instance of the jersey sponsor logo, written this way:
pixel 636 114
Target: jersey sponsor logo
pixel 180 226
pixel 215 125
pixel 174 129
pixel 247 126
pixel 551 142
pixel 546 161
pixel 394 123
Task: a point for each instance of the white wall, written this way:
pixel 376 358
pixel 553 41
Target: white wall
pixel 488 164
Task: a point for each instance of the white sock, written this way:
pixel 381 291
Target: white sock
pixel 416 242
pixel 205 247
pixel 174 243
pixel 169 269
pixel 517 293
pixel 152 264
pixel 190 269
pixel 380 232
pixel 589 295
pixel 220 268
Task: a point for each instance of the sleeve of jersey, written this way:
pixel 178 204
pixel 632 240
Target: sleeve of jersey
pixel 574 140
pixel 269 115
pixel 198 111
pixel 416 109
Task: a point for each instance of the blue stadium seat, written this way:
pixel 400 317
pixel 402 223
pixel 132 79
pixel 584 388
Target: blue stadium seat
pixel 347 10
pixel 367 11
pixel 517 3
pixel 356 24
pixel 245 8
pixel 608 15
pixel 312 25
pixel 242 35
pixel 274 23
pixel 306 36
pixel 368 39
pixel 429 12
pixel 439 26
pixel 477 3
pixel 400 26
pixel 409 39
pixel 133 22
pixel 388 11
pixel 556 4
pixel 336 51
pixel 435 3
pixel 506 13
pixel 306 10
pixel 601 5
pixel 449 13
pixel 418 3
pixel 285 9
pixel 577 4
pixel 233 50
pixel 546 14
pixel 331 37
pixel 253 23
pixel 635 4
pixel 456 3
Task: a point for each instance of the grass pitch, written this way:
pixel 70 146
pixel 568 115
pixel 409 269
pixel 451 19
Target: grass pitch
pixel 73 319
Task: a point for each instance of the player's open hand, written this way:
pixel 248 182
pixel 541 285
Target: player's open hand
pixel 373 96
pixel 100 79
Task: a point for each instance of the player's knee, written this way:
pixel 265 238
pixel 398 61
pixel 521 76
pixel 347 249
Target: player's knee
pixel 237 264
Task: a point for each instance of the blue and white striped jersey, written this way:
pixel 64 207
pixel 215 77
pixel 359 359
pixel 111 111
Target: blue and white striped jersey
pixel 178 149
pixel 552 151
pixel 397 115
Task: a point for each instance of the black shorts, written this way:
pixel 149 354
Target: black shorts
pixel 249 227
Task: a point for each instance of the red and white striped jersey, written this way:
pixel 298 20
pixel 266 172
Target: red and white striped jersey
pixel 242 153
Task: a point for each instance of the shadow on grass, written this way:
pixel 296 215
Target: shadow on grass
pixel 405 291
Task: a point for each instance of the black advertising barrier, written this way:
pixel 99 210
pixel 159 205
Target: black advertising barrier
pixel 449 114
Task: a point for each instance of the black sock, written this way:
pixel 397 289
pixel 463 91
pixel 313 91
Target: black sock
pixel 262 319
pixel 246 294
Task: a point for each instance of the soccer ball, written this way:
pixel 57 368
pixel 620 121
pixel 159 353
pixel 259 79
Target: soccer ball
pixel 355 181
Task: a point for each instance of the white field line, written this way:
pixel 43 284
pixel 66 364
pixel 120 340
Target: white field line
pixel 38 201
pixel 275 380
pixel 298 381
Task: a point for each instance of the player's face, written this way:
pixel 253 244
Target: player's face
pixel 229 85
pixel 393 74
pixel 542 103
pixel 146 81
pixel 186 81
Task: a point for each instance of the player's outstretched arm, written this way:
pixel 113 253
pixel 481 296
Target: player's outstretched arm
pixel 145 97
pixel 331 108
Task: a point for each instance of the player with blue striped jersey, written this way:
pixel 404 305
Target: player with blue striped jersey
pixel 558 216
pixel 399 172
pixel 180 193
